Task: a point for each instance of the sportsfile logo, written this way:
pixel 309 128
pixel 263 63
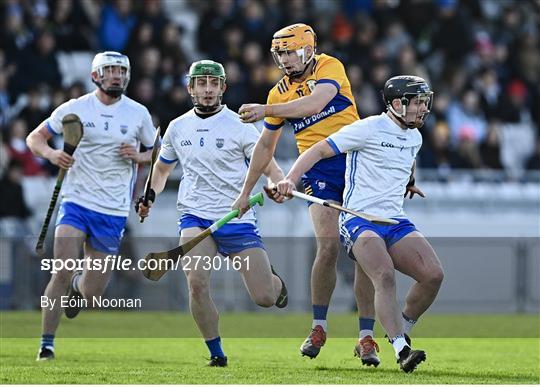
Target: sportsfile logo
pixel 117 262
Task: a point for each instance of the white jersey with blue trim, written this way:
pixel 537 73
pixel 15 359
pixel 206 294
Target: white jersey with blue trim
pixel 100 179
pixel 214 154
pixel 380 155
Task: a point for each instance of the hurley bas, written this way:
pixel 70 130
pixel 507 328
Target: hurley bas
pixel 94 302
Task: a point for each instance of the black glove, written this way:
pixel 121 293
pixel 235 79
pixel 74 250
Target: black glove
pixel 151 198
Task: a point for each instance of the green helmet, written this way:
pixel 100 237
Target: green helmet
pixel 206 68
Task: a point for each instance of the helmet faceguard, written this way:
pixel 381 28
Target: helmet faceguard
pixel 294 38
pixel 209 70
pixel 408 88
pixel 113 68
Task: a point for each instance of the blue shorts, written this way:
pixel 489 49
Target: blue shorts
pixel 351 229
pixel 326 179
pixel 104 231
pixel 230 238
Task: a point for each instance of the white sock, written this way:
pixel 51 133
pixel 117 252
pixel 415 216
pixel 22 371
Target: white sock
pixel 399 343
pixel 366 332
pixel 75 281
pixel 322 323
pixel 408 323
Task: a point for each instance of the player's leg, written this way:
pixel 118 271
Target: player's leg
pixel 104 237
pixel 201 305
pixel 68 242
pixel 92 283
pixel 414 256
pixel 369 249
pixel 263 286
pixel 370 253
pixel 366 348
pixel 323 275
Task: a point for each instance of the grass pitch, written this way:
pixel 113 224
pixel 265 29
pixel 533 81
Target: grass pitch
pixel 175 353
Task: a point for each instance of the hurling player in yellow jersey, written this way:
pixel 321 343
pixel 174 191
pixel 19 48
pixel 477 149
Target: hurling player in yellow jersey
pixel 315 97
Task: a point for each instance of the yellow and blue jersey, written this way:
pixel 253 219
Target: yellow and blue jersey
pixel 340 111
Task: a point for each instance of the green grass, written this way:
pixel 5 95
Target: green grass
pixel 269 360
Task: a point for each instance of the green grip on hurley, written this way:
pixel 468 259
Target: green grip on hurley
pixel 254 200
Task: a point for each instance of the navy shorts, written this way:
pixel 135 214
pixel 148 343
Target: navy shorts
pixel 104 231
pixel 351 229
pixel 326 179
pixel 230 238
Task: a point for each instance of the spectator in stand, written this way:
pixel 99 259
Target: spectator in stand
pixel 16 35
pixel 489 91
pixel 215 18
pixel 144 92
pixel 19 152
pixel 436 152
pixel 151 12
pixel 117 22
pixel 71 26
pixel 236 93
pixel 407 63
pixel 490 149
pixel 12 204
pixel 363 92
pixel 534 161
pixel 466 120
pixel 35 111
pixel 452 21
pixel 75 91
pixel 174 61
pixel 43 52
pixel 142 38
pixel 175 102
pixel 253 22
pixel 514 107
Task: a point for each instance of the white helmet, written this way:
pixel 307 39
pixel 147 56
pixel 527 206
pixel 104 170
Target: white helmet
pixel 111 58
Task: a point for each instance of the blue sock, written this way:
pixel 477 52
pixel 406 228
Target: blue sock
pixel 366 326
pixel 47 341
pixel 214 346
pixel 366 323
pixel 320 312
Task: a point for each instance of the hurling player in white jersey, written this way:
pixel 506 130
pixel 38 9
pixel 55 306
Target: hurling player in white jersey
pixel 213 148
pixel 97 191
pixel 381 153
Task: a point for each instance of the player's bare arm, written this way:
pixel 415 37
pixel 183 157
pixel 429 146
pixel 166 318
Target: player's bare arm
pixel 262 155
pixel 319 151
pixel 37 142
pixel 159 178
pixel 274 174
pixel 411 187
pixel 130 152
pixel 303 107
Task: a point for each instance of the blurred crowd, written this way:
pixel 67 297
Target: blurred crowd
pixel 482 58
